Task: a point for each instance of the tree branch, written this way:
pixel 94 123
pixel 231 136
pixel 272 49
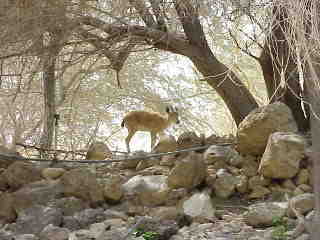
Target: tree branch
pixel 174 43
pixel 144 12
pixel 159 16
pixel 189 18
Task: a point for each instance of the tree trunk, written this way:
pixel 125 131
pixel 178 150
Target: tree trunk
pixel 234 93
pixel 312 82
pixel 49 89
pixel 278 65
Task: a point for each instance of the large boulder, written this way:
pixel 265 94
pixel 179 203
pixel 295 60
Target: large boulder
pixel 41 193
pixel 225 154
pixel 33 220
pixel 199 207
pixel 283 155
pixel 71 205
pixel 98 151
pixel 52 232
pixel 81 183
pixel 4 163
pixel 263 214
pixel 84 219
pixel 52 173
pixel 7 213
pixel 132 163
pixel 250 166
pixel 3 182
pixel 225 184
pixel 113 188
pixel 189 140
pixel 188 172
pixel 20 173
pixel 303 203
pixel 167 143
pixel 147 190
pixel 253 132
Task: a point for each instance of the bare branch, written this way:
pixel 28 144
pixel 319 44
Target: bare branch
pixel 245 50
pixel 189 18
pixel 144 12
pixel 164 41
pixel 155 4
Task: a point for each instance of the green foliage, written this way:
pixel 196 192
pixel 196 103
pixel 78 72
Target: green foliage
pixel 276 221
pixel 279 233
pixel 280 227
pixel 147 235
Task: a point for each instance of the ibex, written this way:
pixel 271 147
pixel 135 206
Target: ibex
pixel 155 123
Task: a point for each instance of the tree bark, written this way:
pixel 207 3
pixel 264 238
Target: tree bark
pixel 278 64
pixel 312 82
pixel 236 96
pixel 49 90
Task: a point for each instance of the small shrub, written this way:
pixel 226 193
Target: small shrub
pixel 280 227
pixel 279 233
pixel 149 235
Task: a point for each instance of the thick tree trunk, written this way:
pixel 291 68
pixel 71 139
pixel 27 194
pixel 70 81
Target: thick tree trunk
pixel 312 82
pixel 278 65
pixel 234 93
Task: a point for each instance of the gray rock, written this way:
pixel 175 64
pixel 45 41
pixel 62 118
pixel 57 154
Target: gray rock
pixel 164 229
pixel 167 143
pixel 109 213
pixel 4 163
pixel 52 173
pixel 33 220
pixel 249 166
pixel 3 182
pixel 81 183
pixel 6 235
pixel 112 190
pixel 147 190
pixel 304 236
pixel 132 163
pixel 242 183
pixel 26 237
pixel 222 153
pixel 7 213
pixel 303 203
pixel 259 192
pixel 282 156
pixel 225 184
pixel 98 151
pixel 254 131
pixel 199 207
pixel 41 193
pixel 20 173
pixel 188 172
pixel 263 214
pixel 71 205
pixel 52 232
pixel 71 223
pixel 83 219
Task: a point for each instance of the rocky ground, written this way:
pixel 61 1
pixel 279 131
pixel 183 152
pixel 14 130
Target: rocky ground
pixel 237 189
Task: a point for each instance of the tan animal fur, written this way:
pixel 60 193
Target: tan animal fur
pixel 155 123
